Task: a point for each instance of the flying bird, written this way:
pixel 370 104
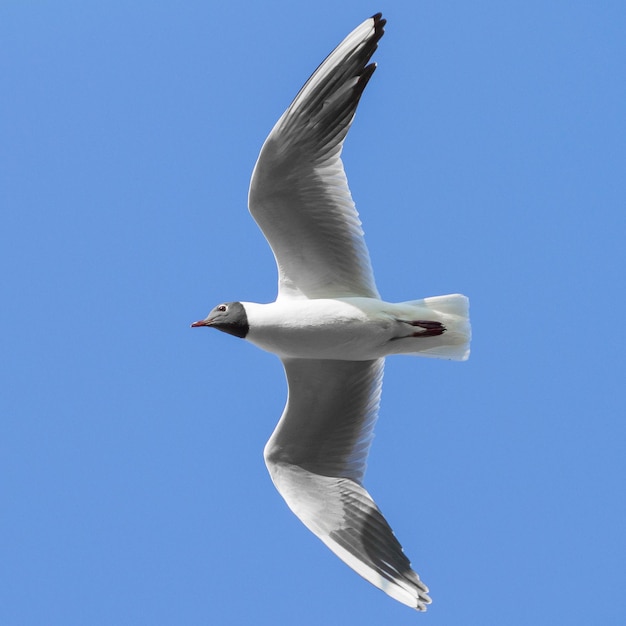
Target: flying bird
pixel 329 326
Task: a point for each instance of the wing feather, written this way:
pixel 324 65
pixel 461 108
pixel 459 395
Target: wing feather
pixel 317 457
pixel 299 193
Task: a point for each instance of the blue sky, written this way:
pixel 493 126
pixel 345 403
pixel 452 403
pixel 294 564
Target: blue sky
pixel 487 157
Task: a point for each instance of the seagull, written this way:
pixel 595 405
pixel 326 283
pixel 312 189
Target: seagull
pixel 329 326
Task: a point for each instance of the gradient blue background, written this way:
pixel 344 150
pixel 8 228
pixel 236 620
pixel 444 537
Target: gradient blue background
pixel 488 157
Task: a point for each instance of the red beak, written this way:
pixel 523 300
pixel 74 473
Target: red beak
pixel 201 323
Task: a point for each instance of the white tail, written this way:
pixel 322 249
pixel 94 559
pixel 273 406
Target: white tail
pixel 453 312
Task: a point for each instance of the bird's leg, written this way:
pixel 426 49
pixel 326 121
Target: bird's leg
pixel 428 328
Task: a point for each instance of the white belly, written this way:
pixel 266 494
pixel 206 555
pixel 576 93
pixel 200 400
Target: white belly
pixel 359 329
pixel 354 329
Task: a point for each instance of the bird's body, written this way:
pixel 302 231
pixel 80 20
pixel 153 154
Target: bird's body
pixel 358 329
pixel 329 325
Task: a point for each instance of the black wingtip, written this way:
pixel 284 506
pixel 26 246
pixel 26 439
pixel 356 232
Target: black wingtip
pixel 379 23
pixel 379 30
pixel 366 74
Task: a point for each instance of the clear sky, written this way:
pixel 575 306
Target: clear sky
pixel 488 157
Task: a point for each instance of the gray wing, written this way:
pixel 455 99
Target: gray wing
pixel 317 457
pixel 299 193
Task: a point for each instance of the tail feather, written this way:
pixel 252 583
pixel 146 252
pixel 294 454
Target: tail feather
pixel 452 311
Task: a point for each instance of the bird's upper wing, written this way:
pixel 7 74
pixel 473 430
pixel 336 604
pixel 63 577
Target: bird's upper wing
pixel 299 193
pixel 317 456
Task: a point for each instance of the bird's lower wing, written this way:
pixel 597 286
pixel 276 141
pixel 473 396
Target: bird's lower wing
pixel 344 516
pixel 316 457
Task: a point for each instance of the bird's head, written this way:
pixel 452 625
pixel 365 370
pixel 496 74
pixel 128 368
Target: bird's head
pixel 229 317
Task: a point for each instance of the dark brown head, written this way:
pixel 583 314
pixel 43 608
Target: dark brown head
pixel 229 317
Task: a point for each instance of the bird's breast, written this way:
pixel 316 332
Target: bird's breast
pixel 353 329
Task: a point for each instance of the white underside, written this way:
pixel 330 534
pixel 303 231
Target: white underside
pixel 359 329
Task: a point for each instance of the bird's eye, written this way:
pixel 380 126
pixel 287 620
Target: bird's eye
pixel 221 307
